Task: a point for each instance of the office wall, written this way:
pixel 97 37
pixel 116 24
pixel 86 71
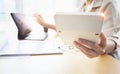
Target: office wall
pixel 7 6
pixel 42 6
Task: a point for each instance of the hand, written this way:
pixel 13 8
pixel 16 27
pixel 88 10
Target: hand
pixel 92 49
pixel 41 21
pixel 39 18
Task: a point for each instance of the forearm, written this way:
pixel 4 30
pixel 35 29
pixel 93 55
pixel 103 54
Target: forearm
pixel 44 24
pixel 50 26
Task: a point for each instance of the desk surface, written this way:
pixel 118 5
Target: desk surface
pixel 70 62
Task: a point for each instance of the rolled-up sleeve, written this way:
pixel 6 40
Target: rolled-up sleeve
pixel 111 25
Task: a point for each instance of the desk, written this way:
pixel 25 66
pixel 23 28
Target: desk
pixel 70 62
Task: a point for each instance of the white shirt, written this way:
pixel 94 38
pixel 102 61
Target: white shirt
pixel 111 25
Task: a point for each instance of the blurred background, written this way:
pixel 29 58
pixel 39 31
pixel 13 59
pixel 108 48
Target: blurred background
pixel 43 6
pixel 46 8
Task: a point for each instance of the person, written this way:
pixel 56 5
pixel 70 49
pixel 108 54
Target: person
pixel 108 42
pixel 43 23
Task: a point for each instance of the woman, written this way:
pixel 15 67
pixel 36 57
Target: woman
pixel 108 39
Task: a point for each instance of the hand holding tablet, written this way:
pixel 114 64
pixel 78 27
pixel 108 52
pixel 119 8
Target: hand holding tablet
pixel 72 26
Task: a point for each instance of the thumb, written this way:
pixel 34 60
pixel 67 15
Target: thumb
pixel 102 40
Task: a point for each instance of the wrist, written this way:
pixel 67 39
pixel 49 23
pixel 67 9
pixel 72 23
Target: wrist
pixel 110 46
pixel 115 45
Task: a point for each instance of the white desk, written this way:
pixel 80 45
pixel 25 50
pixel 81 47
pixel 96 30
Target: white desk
pixel 70 62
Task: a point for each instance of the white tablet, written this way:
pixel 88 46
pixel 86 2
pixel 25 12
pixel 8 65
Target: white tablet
pixel 72 26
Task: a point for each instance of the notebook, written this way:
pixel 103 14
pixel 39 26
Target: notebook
pixel 72 26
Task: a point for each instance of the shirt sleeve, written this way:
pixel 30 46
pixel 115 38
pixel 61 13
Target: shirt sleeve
pixel 111 25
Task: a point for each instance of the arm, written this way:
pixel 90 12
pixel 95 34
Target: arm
pixel 108 41
pixel 111 28
pixel 41 21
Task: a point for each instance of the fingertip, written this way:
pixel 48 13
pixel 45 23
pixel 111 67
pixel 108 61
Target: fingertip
pixel 75 42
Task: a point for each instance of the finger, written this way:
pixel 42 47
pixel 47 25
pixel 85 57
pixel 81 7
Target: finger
pixel 99 50
pixel 88 52
pixel 91 45
pixel 102 40
pixel 86 42
pixel 102 36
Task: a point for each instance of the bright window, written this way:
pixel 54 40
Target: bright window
pixel 7 6
pixel 48 6
pixel 42 6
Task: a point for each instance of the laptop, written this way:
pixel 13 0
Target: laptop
pixel 28 27
pixel 11 46
pixel 72 26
